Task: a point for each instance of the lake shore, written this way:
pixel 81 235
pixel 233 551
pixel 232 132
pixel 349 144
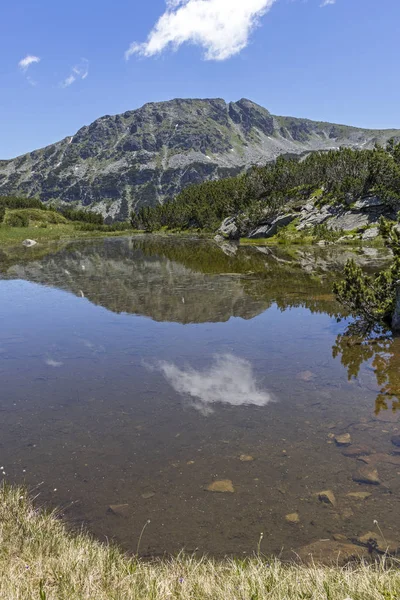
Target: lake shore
pixel 40 558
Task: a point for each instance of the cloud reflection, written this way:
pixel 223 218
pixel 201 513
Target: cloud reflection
pixel 229 380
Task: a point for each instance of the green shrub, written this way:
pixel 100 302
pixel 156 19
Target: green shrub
pixel 17 219
pixel 372 299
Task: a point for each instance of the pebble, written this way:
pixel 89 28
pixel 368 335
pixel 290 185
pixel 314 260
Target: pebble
pixel 293 518
pixel 246 458
pixel 343 439
pixel 327 497
pixel 148 495
pixel 221 486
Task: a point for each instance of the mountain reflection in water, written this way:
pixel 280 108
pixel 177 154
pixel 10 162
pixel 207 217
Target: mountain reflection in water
pixel 225 331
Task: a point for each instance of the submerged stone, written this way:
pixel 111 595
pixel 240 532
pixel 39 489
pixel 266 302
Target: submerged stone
pixel 222 486
pixel 396 440
pixel 305 375
pixel 367 475
pixel 293 518
pixel 330 552
pixel 148 495
pixel 343 439
pixel 356 451
pixel 358 495
pixel 327 497
pixel 120 510
pixel 374 540
pixel 246 458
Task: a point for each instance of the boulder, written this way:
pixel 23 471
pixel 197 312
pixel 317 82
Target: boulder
pixel 229 229
pixel 368 202
pixel 348 220
pixel 271 228
pixel 29 243
pixel 370 234
pixel 309 217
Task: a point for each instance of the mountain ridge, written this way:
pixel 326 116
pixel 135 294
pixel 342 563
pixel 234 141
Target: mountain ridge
pixel 148 155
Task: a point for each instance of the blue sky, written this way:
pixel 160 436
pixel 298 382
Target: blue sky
pixel 337 62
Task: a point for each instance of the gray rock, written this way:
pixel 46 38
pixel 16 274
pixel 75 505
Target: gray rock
pixel 144 156
pixel 347 221
pixel 311 218
pixel 396 440
pixel 229 229
pixel 219 238
pixel 370 234
pixel 368 202
pixel 270 229
pixel 347 238
pixel 29 243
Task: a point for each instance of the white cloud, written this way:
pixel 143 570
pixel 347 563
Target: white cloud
pixel 327 3
pixel 25 63
pixel 79 71
pixel 230 380
pixel 221 27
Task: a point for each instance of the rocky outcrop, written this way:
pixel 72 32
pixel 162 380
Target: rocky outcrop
pixel 145 156
pixel 271 227
pixel 361 218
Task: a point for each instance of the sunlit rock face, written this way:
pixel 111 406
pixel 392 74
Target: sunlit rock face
pixel 145 156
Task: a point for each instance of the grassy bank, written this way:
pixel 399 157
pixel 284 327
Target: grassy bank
pixel 40 560
pixel 12 236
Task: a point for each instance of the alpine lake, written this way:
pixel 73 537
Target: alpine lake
pixel 174 394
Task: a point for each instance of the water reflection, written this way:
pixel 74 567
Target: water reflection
pixel 229 380
pixel 377 347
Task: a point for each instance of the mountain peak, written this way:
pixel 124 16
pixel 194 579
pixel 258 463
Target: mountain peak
pixel 148 155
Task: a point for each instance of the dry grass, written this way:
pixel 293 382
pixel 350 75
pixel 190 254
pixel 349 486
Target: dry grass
pixel 40 560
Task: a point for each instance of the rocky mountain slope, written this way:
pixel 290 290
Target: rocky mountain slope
pixel 145 156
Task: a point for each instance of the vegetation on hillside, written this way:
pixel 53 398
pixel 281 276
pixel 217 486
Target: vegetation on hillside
pixel 40 559
pixel 22 218
pixel 337 175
